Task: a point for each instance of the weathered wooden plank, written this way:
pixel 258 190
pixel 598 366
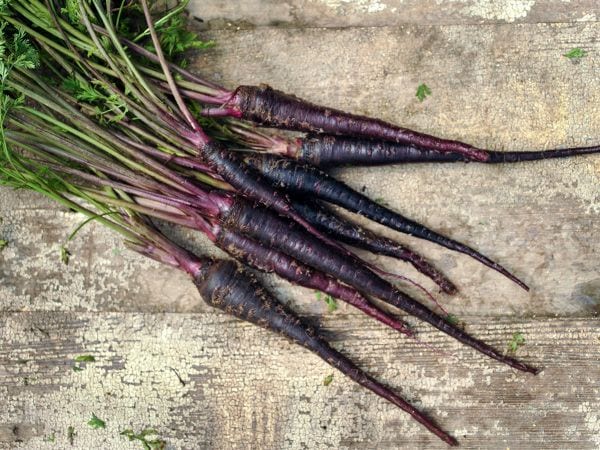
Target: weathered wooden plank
pixel 242 387
pixel 347 13
pixel 507 86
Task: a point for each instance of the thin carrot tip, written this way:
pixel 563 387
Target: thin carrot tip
pixel 536 370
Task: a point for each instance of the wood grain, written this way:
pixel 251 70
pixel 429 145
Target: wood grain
pixel 377 13
pixel 243 387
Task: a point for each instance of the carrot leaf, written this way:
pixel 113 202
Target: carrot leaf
pixel 575 53
pixel 328 299
pixel 452 319
pixel 85 358
pixel 71 434
pixel 328 379
pixel 331 303
pixel 143 437
pixel 96 423
pixel 423 91
pixel 65 255
pixel 517 341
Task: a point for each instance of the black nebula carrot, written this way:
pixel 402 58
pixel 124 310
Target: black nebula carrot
pixel 331 151
pixel 308 180
pixel 225 285
pixel 255 255
pixel 273 231
pixel 272 108
pixel 250 183
pixel 247 180
pixel 353 234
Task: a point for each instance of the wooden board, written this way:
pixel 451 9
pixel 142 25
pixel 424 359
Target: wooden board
pixel 504 84
pixel 377 13
pixel 205 381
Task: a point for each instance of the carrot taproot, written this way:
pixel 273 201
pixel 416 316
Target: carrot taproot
pixel 357 236
pixel 332 151
pixel 308 180
pixel 273 231
pixel 272 108
pixel 226 286
pixel 255 255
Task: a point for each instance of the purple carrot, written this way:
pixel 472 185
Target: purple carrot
pixel 226 286
pixel 353 234
pixel 223 162
pixel 257 256
pixel 307 180
pixel 272 108
pixel 332 151
pixel 273 231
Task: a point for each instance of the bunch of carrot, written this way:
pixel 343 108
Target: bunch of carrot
pixel 97 115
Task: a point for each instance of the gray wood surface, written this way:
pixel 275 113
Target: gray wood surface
pixel 242 387
pixel 375 13
pixel 504 84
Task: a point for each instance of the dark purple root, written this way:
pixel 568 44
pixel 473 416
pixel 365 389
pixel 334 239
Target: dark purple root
pixel 515 157
pixel 276 109
pixel 332 151
pixel 307 180
pixel 251 184
pixel 273 231
pixel 224 285
pixel 257 256
pixel 353 234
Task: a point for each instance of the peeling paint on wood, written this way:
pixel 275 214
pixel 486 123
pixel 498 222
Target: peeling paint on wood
pixel 378 13
pixel 238 395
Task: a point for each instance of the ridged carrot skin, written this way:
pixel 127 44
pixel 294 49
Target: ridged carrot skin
pixel 257 256
pixel 335 151
pixel 308 180
pixel 249 182
pixel 273 231
pixel 226 286
pixel 272 108
pixel 353 234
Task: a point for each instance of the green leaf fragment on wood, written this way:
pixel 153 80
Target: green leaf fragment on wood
pixel 71 434
pixel 452 319
pixel 328 379
pixel 65 255
pixel 96 423
pixel 423 91
pixel 3 244
pixel 331 303
pixel 328 299
pixel 51 438
pixel 517 341
pixel 381 201
pixel 575 53
pixel 77 368
pixel 85 358
pixel 144 437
